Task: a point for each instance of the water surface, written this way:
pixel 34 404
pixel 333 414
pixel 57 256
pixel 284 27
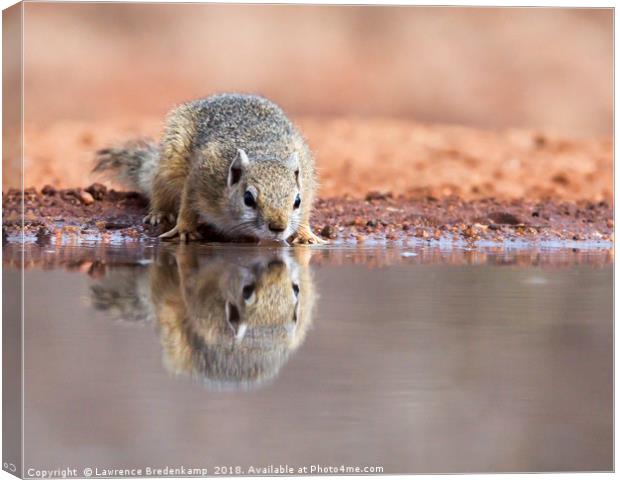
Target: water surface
pixel 411 361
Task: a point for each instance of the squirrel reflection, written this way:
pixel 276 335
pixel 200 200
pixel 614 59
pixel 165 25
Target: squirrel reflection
pixel 231 319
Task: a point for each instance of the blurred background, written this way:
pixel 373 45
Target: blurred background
pixel 366 85
pixel 491 67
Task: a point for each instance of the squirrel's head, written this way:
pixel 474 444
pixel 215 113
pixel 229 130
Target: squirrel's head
pixel 264 197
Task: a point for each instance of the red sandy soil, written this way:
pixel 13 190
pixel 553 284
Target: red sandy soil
pixel 382 180
pixel 358 155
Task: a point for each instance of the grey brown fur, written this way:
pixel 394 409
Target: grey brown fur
pixel 214 152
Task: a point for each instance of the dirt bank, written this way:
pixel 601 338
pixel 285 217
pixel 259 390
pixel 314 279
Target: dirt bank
pixel 432 183
pixel 100 215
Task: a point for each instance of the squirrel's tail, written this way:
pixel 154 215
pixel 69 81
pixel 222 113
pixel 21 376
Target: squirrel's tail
pixel 124 293
pixel 133 164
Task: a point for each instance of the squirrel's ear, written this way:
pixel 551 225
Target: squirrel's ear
pixel 234 321
pixel 293 161
pixel 293 164
pixel 236 167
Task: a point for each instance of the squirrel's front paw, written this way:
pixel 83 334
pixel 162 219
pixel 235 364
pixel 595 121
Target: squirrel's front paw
pixel 305 236
pixel 184 233
pixel 155 218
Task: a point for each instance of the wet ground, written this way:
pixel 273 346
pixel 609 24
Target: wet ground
pixel 420 359
pixel 97 214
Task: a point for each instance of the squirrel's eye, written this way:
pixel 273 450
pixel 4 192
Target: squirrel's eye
pixel 248 290
pixel 295 289
pixel 248 199
pixel 297 201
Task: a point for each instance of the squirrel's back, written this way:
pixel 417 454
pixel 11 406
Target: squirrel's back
pixel 232 121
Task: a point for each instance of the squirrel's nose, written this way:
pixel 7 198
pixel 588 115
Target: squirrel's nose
pixel 276 227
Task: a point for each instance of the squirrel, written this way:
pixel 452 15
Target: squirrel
pixel 233 161
pixel 230 320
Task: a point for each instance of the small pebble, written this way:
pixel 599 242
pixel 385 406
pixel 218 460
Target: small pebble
pixel 328 231
pixel 48 190
pixel 378 195
pixel 86 198
pixel 470 232
pixel 420 233
pixel 97 190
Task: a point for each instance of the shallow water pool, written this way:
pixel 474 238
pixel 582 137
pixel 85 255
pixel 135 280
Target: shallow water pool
pixel 259 360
